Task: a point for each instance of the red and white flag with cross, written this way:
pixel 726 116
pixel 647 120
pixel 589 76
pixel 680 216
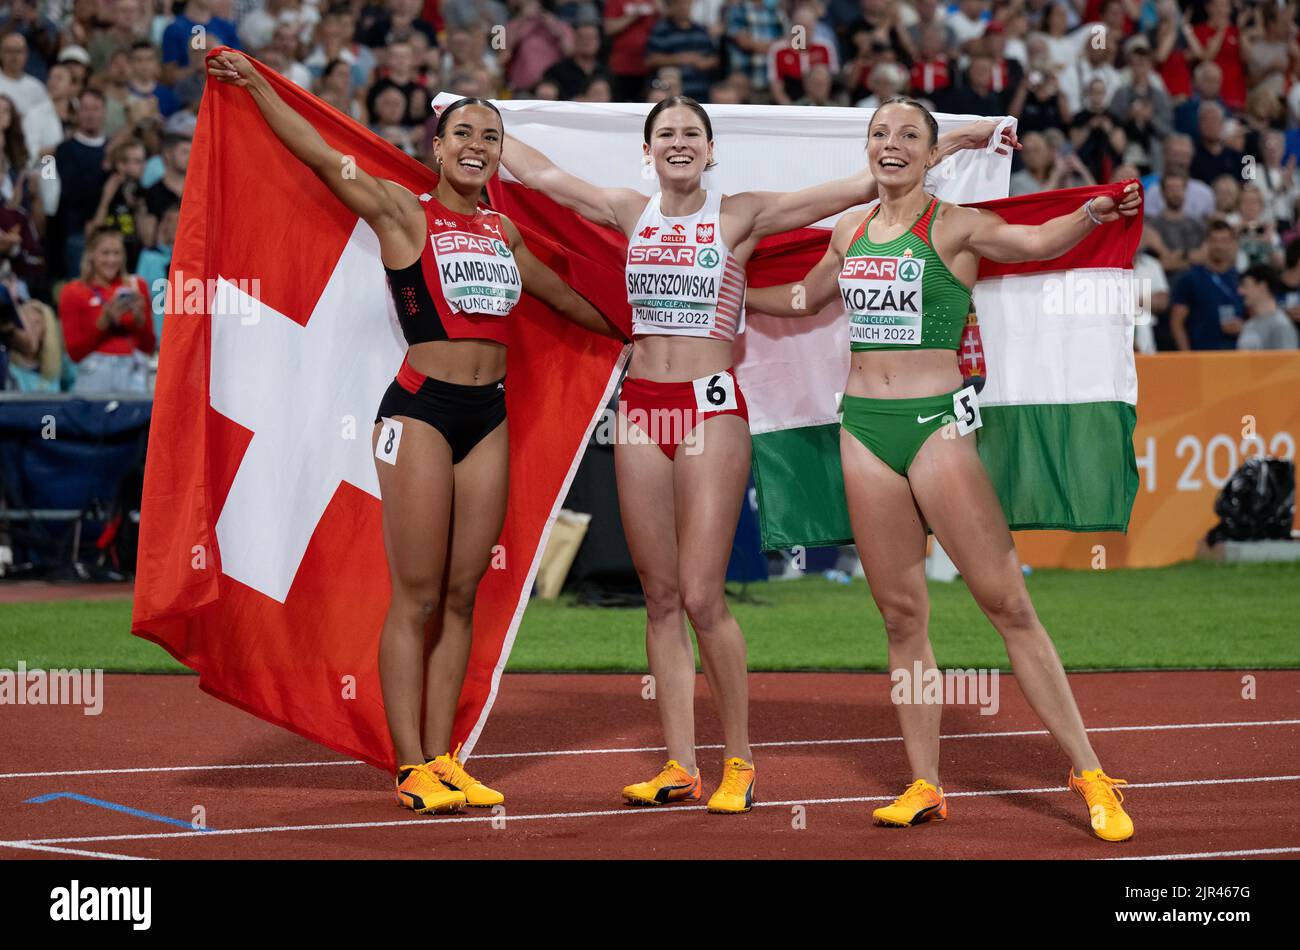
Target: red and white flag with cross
pixel 261 561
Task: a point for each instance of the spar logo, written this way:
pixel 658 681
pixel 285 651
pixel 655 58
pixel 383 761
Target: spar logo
pixel 703 234
pixel 709 258
pixel 875 268
pixel 665 256
pixel 501 249
pixel 458 242
pixel 909 270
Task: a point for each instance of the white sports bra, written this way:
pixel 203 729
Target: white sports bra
pixel 682 279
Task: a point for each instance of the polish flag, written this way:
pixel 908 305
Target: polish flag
pixel 261 558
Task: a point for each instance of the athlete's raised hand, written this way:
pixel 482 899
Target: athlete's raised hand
pixel 980 134
pixel 1106 209
pixel 233 68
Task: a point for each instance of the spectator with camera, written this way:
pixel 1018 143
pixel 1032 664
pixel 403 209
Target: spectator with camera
pixel 1095 136
pixel 106 320
pixel 1039 102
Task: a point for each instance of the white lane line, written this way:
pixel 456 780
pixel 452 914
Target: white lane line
pixel 28 846
pixel 1253 852
pixel 413 822
pixel 790 743
pixel 182 768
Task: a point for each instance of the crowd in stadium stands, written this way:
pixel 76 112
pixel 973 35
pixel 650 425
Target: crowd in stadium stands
pixel 1199 100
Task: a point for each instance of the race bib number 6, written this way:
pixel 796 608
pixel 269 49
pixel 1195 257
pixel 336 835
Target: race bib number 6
pixel 966 410
pixel 715 393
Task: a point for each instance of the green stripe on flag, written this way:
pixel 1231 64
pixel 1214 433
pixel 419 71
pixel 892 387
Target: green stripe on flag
pixel 1053 466
pixel 800 488
pixel 1062 466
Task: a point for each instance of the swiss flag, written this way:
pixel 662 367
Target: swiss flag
pixel 261 559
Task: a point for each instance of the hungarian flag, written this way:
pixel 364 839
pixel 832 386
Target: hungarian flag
pixel 261 558
pixel 1058 405
pixel 1054 342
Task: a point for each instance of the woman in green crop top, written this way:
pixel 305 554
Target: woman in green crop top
pixel 904 271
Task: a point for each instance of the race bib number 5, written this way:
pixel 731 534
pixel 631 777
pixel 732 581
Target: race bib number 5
pixel 715 393
pixel 966 410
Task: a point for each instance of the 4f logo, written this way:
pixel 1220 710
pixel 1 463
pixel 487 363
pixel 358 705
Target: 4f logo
pixel 703 234
pixel 646 234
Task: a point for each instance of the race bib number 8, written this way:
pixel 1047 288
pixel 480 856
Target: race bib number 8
pixel 715 393
pixel 390 437
pixel 966 410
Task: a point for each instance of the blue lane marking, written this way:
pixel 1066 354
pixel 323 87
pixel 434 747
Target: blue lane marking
pixel 113 806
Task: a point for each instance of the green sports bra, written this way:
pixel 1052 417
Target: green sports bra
pixel 900 295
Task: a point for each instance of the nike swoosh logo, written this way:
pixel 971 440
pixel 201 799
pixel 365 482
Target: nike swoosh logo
pixel 928 418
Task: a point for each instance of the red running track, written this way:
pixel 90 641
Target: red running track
pixel 1227 779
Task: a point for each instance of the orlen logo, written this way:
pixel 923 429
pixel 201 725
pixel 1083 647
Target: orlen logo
pixel 668 256
pixel 454 242
pixel 871 268
pixel 677 237
pixel 703 234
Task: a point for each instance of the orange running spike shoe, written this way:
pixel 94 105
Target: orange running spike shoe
pixel 451 773
pixel 420 790
pixel 736 793
pixel 1109 820
pixel 921 802
pixel 673 784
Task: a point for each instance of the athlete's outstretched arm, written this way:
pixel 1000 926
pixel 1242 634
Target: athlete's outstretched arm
pixel 773 212
pixel 819 286
pixel 611 207
pixel 544 284
pixel 991 237
pixel 380 203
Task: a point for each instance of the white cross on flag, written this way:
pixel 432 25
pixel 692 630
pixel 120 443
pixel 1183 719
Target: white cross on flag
pixel 261 558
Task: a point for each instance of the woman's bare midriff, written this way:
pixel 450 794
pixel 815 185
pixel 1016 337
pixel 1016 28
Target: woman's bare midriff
pixel 463 362
pixel 903 374
pixel 677 359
